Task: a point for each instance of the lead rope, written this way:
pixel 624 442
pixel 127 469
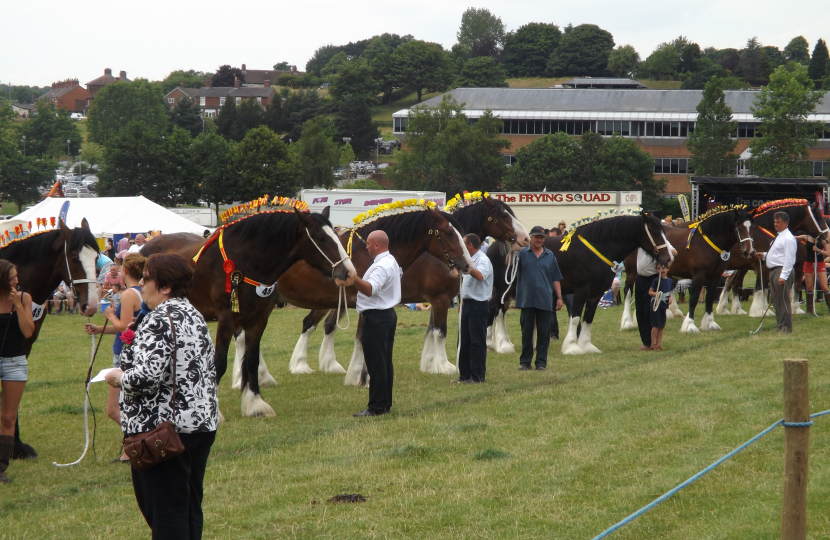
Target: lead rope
pixel 659 296
pixel 93 352
pixel 341 294
pixel 458 335
pixel 512 270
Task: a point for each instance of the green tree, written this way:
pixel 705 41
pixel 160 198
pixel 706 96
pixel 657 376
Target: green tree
pixel 249 115
pixel 320 58
pixel 423 66
pixel 299 107
pixel 445 153
pixel 186 116
pixel 355 77
pixel 20 176
pixel 47 133
pixel 353 119
pixel 226 121
pixel 335 64
pixel 662 64
pixel 261 163
pixel 583 51
pixel 798 50
pixel 188 79
pixel 783 107
pixel 711 143
pixel 482 72
pixel 92 153
pixel 346 156
pixel 774 56
pixel 375 47
pixel 216 184
pixel 119 103
pixel 818 63
pixel 754 65
pixel 383 72
pixel 482 32
pixel 282 66
pixel 318 154
pixel 180 171
pixel 527 50
pixel 226 76
pixel 623 61
pixel 727 58
pixel 134 163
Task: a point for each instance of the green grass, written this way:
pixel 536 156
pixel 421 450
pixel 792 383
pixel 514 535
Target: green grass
pixel 563 453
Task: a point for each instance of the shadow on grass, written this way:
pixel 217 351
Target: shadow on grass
pixel 489 454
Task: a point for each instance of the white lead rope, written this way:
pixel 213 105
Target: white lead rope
pixel 512 269
pixel 341 294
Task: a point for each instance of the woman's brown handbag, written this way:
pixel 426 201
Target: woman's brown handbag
pixel 145 450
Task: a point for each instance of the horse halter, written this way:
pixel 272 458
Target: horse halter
pixel 661 246
pixel 747 239
pixel 821 231
pixel 333 264
pixel 72 282
pixel 434 231
pixel 507 238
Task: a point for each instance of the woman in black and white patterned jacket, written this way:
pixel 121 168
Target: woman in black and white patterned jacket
pixel 169 494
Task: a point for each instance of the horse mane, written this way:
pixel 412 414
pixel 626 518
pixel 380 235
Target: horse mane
pixel 403 227
pixel 470 216
pixel 39 245
pixel 718 218
pixel 621 228
pixel 796 209
pixel 272 228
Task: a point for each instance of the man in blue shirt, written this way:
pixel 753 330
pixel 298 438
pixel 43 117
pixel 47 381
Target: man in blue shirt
pixel 536 283
pixel 475 293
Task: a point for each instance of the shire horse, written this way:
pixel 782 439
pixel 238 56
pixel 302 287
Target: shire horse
pixel 411 234
pixel 262 247
pixel 587 257
pixel 804 218
pixel 43 260
pixel 704 249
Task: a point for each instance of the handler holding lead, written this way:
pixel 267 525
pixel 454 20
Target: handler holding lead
pixel 378 292
pixel 780 260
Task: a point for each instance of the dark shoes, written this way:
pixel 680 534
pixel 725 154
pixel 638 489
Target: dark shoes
pixel 524 367
pixel 541 368
pixel 467 381
pixel 367 412
pixel 554 337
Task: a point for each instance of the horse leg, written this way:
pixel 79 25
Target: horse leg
pixel 265 377
pixel 628 322
pixel 723 301
pixel 584 340
pixel 759 301
pixel 439 363
pixel 224 334
pixel 299 358
pixel 569 344
pixel 428 352
pixel 708 321
pixel 357 374
pixel 673 309
pixel 327 359
pixel 737 289
pixel 798 272
pixel 688 325
pixel 252 402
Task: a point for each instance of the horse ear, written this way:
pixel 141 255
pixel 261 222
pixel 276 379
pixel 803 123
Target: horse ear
pixel 490 203
pixel 85 225
pixel 67 232
pixel 325 212
pixel 305 219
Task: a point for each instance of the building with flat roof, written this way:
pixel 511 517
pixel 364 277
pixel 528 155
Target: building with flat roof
pixel 604 82
pixel 660 121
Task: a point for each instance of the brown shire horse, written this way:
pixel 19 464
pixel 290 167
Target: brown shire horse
pixel 702 261
pixel 428 279
pixel 262 247
pixel 410 235
pixel 43 260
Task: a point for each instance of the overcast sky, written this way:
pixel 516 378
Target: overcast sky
pixel 50 40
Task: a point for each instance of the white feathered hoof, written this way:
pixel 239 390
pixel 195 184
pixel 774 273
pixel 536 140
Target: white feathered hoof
pixel 355 368
pixel 797 308
pixel 327 360
pixel 491 343
pixel 569 344
pixel 723 302
pixel 441 363
pixel 584 341
pixel 502 338
pixel 265 377
pixel 756 309
pixel 239 353
pixel 688 326
pixel 669 314
pixel 298 365
pixel 708 323
pixel 736 306
pixel 627 322
pixel 254 406
pixel 673 309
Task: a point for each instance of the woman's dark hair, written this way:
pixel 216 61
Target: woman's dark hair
pixel 170 270
pixel 5 283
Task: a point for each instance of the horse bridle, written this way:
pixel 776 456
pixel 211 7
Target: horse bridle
pixel 507 238
pixel 437 234
pixel 821 231
pixel 661 246
pixel 748 238
pixel 72 282
pixel 333 264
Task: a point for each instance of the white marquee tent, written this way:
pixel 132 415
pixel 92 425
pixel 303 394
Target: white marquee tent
pixel 113 215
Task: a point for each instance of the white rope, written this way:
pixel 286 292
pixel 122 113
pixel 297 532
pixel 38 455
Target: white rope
pixel 659 294
pixel 86 408
pixel 341 297
pixel 512 269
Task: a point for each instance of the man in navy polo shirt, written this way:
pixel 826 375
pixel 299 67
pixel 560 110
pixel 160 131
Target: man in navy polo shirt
pixel 536 283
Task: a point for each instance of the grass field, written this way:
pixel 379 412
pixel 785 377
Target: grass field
pixel 564 453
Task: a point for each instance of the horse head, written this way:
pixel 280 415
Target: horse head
pixel 653 240
pixel 743 224
pixel 319 246
pixel 816 213
pixel 445 242
pixel 79 251
pixel 503 225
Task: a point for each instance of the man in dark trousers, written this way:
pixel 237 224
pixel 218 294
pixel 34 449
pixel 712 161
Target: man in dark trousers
pixel 780 260
pixel 475 309
pixel 538 279
pixel 378 292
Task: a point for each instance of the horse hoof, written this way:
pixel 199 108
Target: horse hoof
pixel 333 368
pixel 265 379
pixel 302 369
pixel 23 451
pixel 253 406
pixel 573 350
pixel 590 349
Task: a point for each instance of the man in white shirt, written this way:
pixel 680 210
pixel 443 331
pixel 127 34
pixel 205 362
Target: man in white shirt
pixel 140 240
pixel 475 293
pixel 378 292
pixel 780 260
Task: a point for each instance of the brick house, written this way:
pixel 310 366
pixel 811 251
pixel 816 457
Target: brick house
pixel 257 77
pixel 68 94
pixel 659 121
pixel 24 109
pixel 211 98
pixel 96 84
pixel 172 98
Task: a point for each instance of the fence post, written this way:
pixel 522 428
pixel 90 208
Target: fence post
pixel 796 451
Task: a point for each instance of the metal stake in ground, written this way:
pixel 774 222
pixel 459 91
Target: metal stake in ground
pixel 796 450
pixel 767 310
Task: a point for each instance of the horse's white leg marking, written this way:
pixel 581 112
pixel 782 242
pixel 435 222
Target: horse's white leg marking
pixel 708 322
pixel 441 364
pixel 688 326
pixel 736 305
pixel 428 352
pixel 627 322
pixel 759 304
pixel 584 341
pixel 723 301
pixel 265 377
pixel 569 344
pixel 239 354
pixel 502 338
pixel 327 360
pixel 355 366
pixel 673 309
pixel 253 405
pixel 491 344
pixel 299 358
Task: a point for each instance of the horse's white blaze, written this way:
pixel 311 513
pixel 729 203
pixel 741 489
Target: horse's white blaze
pixel 467 256
pixel 522 236
pixel 236 377
pixel 627 322
pixel 723 302
pixel 503 345
pixel 569 345
pixel 340 250
pixel 673 309
pixel 253 405
pixel 759 304
pixel 688 326
pixel 439 364
pixel 327 358
pixel 355 366
pixel 88 258
pixel 584 341
pixel 299 358
pixel 708 322
pixel 736 305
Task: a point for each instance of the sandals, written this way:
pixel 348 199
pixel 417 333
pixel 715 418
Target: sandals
pixel 656 348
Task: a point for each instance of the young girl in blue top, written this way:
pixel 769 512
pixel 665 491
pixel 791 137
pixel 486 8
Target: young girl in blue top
pixel 660 292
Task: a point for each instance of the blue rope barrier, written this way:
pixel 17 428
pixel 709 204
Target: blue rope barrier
pixel 697 476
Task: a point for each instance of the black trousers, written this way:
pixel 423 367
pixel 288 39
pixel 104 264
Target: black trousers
pixel 472 358
pixel 568 301
pixel 169 495
pixel 378 339
pixel 540 319
pixel 641 307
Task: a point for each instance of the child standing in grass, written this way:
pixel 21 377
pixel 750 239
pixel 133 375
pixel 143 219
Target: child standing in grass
pixel 660 291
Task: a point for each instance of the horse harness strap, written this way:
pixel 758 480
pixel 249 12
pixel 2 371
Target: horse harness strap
pixel 230 268
pixel 437 235
pixel 724 255
pixel 506 236
pixel 614 266
pixel 72 282
pixel 352 234
pixel 768 233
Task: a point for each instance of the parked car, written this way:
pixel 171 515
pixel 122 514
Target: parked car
pixel 77 116
pixel 79 192
pixel 382 166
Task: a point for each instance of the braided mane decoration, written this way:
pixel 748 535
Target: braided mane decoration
pixel 775 205
pixel 458 202
pixel 390 209
pixel 280 204
pixel 715 211
pixel 613 212
pixel 6 239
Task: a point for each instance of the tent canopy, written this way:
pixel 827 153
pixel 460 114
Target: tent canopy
pixel 113 215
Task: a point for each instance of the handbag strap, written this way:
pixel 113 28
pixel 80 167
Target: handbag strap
pixel 175 359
